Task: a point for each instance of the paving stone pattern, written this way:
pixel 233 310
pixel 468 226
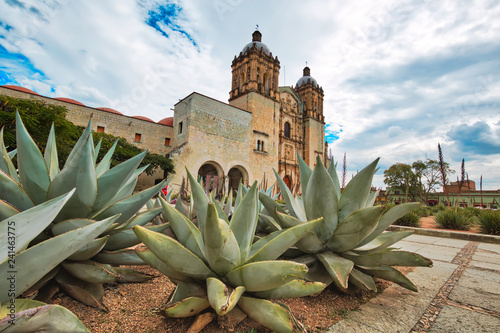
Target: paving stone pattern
pixel 460 293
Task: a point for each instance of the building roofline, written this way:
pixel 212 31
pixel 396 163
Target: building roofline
pixel 213 99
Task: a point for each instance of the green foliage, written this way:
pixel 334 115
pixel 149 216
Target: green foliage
pixel 409 220
pixel 437 208
pixel 451 219
pixel 489 221
pixel 423 211
pixel 349 247
pixel 38 116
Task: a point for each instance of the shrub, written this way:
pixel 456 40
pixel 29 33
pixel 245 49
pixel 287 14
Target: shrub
pixel 438 208
pixel 423 211
pixel 489 221
pixel 411 219
pixel 449 219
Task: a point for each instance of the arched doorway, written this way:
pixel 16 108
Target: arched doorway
pixel 236 175
pixel 210 174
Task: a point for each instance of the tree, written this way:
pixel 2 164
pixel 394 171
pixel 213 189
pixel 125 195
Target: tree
pixel 401 176
pixel 38 117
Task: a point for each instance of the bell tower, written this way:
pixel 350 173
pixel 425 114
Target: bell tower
pixel 255 69
pixel 311 95
pixel 254 88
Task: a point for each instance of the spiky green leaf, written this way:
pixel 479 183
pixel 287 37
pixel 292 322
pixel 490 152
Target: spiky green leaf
pixel 220 298
pixel 338 267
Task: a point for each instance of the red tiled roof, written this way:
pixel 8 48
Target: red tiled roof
pixel 169 121
pixel 109 110
pixel 143 118
pixel 26 90
pixel 69 100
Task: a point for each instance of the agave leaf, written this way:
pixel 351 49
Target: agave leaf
pixel 185 230
pixel 179 205
pixel 33 172
pixel 371 198
pixel 88 293
pixel 174 254
pixel 244 221
pixel 12 153
pixel 200 201
pixel 338 267
pixel 382 242
pixel 105 163
pixel 141 218
pixel 309 243
pixel 187 307
pixel 305 173
pixel 42 282
pixel 357 191
pixel 270 205
pixel 127 188
pixel 6 164
pixel 333 174
pixel 90 249
pixel 120 257
pixel 127 275
pixel 273 245
pixel 220 211
pixel 221 300
pixel 389 258
pixel 68 225
pixel 293 207
pixel 269 222
pixel 13 193
pixel 91 272
pixel 268 314
pixel 228 209
pixel 221 247
pixel 293 289
pixel 264 275
pixel 108 181
pixel 36 316
pixel 18 230
pixel 239 195
pixel 123 238
pixel 80 143
pixel 80 173
pixel 362 281
pixel 390 274
pixel 153 261
pixel 318 273
pixel 38 260
pixel 7 210
pixel 321 201
pixel 19 305
pixel 50 156
pixel 389 218
pixel 96 150
pixel 131 205
pixel 354 228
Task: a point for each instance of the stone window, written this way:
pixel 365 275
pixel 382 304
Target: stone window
pixel 287 130
pixel 167 141
pixel 262 146
pixel 180 127
pixel 100 129
pixel 258 145
pixel 137 137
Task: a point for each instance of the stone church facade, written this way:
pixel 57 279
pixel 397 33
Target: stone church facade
pixel 261 129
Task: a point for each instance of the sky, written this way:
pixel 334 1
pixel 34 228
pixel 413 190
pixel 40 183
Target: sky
pixel 399 77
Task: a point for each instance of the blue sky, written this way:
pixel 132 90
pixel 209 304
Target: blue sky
pixel 399 76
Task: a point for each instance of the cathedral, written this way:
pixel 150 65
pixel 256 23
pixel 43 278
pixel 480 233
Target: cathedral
pixel 260 130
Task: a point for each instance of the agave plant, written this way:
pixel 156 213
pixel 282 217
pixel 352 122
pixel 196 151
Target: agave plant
pixel 349 245
pixel 220 266
pixel 100 193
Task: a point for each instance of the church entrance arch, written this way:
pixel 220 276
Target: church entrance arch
pixel 211 175
pixel 236 175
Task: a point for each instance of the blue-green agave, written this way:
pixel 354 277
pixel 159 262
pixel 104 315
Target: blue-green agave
pixel 349 245
pixel 219 265
pixel 98 194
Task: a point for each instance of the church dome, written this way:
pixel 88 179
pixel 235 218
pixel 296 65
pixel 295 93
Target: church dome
pixel 257 40
pixel 307 78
